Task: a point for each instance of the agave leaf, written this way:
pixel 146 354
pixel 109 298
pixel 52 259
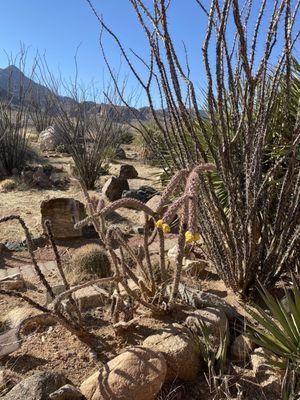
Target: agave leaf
pixel 279 314
pixel 270 326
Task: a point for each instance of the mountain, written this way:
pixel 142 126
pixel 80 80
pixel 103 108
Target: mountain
pixel 12 79
pixel 15 84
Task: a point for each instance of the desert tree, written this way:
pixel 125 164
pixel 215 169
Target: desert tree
pixel 14 116
pixel 251 231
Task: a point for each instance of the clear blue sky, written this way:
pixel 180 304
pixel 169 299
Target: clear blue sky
pixel 58 27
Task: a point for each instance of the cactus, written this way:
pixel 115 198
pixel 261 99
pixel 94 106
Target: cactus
pixel 90 261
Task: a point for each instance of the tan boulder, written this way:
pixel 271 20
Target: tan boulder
pixel 180 351
pixel 136 374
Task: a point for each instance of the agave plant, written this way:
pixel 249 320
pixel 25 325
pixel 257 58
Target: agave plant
pixel 278 331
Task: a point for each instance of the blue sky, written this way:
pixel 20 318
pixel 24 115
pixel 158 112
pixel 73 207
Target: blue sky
pixel 58 27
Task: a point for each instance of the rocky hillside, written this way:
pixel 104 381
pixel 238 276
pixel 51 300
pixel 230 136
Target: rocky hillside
pixel 12 79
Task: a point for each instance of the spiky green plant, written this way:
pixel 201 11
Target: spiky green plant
pixel 215 357
pixel 278 331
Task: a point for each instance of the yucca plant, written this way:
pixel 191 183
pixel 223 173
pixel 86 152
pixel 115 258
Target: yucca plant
pixel 278 331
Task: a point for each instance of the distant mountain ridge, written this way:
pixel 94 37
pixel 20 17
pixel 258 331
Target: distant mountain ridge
pixel 11 78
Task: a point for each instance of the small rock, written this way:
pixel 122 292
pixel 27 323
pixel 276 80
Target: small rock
pixel 143 194
pixel 259 360
pixel 13 282
pixel 47 139
pixel 128 171
pixel 114 187
pixel 37 387
pixel 194 267
pixel 9 342
pixel 120 153
pixel 173 252
pixel 89 297
pixel 67 392
pixel 241 348
pixel 180 351
pixel 136 374
pixel 57 289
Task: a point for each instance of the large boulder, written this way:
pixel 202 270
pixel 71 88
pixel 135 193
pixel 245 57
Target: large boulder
pixel 128 171
pixel 180 350
pixel 136 374
pixel 114 187
pixel 37 387
pixel 63 213
pixel 48 139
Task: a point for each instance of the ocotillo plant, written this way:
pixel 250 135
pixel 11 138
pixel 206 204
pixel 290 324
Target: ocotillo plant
pixel 153 288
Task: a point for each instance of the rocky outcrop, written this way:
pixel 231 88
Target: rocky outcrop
pixel 136 374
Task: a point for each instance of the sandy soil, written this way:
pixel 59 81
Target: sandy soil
pixel 26 203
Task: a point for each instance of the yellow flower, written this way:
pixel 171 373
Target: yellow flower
pixel 166 228
pixel 190 237
pixel 159 223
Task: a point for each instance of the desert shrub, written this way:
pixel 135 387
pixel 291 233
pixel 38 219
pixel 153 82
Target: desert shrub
pixel 86 127
pixel 89 261
pixel 249 206
pixel 14 149
pixel 278 331
pixel 8 185
pixel 126 137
